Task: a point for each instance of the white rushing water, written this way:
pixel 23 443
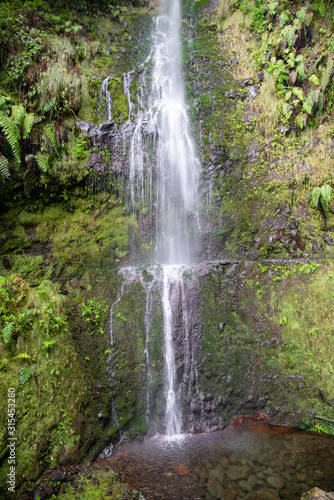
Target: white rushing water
pixel 105 95
pixel 163 181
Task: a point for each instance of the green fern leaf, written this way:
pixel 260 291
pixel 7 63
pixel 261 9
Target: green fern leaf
pixel 316 195
pixel 287 110
pixel 25 374
pixel 289 33
pixel 301 15
pixel 325 196
pixel 327 73
pixel 4 102
pixel 23 355
pixel 7 332
pixel 17 114
pixel 314 79
pixel 298 93
pixel 49 105
pixel 12 134
pixel 41 162
pixel 28 122
pixel 284 18
pixel 50 139
pixel 308 103
pixel 29 182
pixel 300 121
pixel 4 167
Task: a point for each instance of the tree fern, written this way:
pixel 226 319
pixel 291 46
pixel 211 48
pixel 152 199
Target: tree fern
pixel 327 73
pixel 27 124
pixel 50 139
pixel 25 374
pixel 29 182
pixel 7 332
pixel 4 167
pixel 12 134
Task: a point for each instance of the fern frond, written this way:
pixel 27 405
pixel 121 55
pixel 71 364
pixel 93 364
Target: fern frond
pixel 4 167
pixel 7 332
pixel 325 196
pixel 284 18
pixel 315 196
pixel 27 124
pixel 12 134
pixel 289 33
pixel 308 103
pixel 327 73
pixel 49 105
pixel 25 374
pixel 301 15
pixel 314 79
pixel 29 158
pixel 17 114
pixel 23 355
pixel 43 165
pixel 50 139
pixel 29 182
pixel 315 97
pixel 4 102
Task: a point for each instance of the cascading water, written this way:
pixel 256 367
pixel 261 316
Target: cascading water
pixel 163 181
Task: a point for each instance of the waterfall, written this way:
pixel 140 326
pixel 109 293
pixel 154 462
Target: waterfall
pixel 163 182
pixel 105 96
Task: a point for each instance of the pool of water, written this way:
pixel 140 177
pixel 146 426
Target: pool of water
pixel 254 461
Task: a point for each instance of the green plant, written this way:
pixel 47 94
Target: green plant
pixel 25 374
pixel 322 196
pixel 93 308
pixel 7 333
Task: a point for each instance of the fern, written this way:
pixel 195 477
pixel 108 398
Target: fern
pixel 314 79
pixel 300 120
pixel 289 33
pixel 308 103
pixel 300 68
pixel 7 332
pixel 4 102
pixel 50 139
pixel 284 18
pixel 327 73
pixel 47 344
pixel 27 124
pixel 11 131
pixel 287 110
pixel 25 374
pixel 49 105
pixel 298 93
pixel 29 182
pixel 18 113
pixel 43 165
pixel 322 195
pixel 325 196
pixel 23 355
pixel 4 167
pixel 301 15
